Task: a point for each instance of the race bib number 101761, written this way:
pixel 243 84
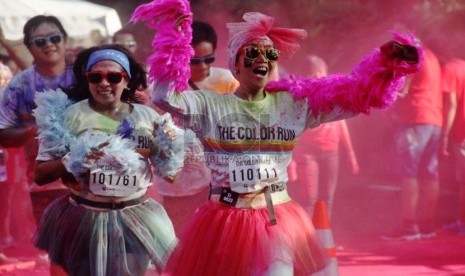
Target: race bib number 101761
pixel 105 181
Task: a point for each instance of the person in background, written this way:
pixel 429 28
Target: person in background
pixel 317 154
pixel 191 188
pixel 106 225
pixel 71 54
pixel 127 39
pixel 19 62
pixel 203 75
pixel 417 118
pixel 6 193
pixel 16 221
pixel 7 183
pixel 250 225
pixel 5 76
pixel 45 38
pixel 6 60
pixel 453 131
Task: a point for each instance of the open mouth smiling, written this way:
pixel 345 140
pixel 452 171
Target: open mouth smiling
pixel 260 70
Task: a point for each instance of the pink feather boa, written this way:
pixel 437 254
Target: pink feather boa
pixel 375 82
pixel 171 45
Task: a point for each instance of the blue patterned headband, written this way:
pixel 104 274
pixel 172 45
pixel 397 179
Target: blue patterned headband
pixel 109 54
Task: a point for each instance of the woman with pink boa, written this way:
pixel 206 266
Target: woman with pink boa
pixel 251 226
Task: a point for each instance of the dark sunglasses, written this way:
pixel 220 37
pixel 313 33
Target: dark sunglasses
pixel 111 77
pixel 42 41
pixel 252 52
pixel 198 60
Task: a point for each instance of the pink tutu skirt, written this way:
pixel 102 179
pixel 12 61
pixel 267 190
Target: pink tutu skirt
pixel 223 240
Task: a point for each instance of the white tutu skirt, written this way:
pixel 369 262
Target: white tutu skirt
pixel 94 242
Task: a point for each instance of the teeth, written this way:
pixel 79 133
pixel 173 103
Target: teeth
pixel 260 71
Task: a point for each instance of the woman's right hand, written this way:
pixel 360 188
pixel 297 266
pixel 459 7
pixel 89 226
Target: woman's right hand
pixel 96 153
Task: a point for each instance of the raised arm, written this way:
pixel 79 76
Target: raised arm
pixel 374 82
pixel 169 64
pixel 12 53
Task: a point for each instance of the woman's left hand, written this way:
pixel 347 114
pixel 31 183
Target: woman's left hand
pixel 167 130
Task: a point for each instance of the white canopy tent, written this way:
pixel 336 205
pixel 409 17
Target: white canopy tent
pixel 81 19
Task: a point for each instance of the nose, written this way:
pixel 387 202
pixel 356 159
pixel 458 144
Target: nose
pixel 262 56
pixel 204 65
pixel 104 81
pixel 48 41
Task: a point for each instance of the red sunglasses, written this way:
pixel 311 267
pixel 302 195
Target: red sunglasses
pixel 111 77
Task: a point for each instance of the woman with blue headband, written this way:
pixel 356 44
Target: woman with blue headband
pixel 102 144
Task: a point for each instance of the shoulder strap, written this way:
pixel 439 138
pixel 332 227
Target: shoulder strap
pixel 192 85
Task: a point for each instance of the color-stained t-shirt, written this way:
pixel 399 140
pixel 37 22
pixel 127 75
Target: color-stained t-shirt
pixel 248 144
pixel 80 118
pixel 17 103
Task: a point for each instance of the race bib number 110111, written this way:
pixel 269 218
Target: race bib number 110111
pixel 251 175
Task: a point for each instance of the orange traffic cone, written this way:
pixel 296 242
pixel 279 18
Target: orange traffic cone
pixel 324 232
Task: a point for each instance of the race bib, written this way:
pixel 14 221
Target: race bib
pixel 251 173
pixel 106 182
